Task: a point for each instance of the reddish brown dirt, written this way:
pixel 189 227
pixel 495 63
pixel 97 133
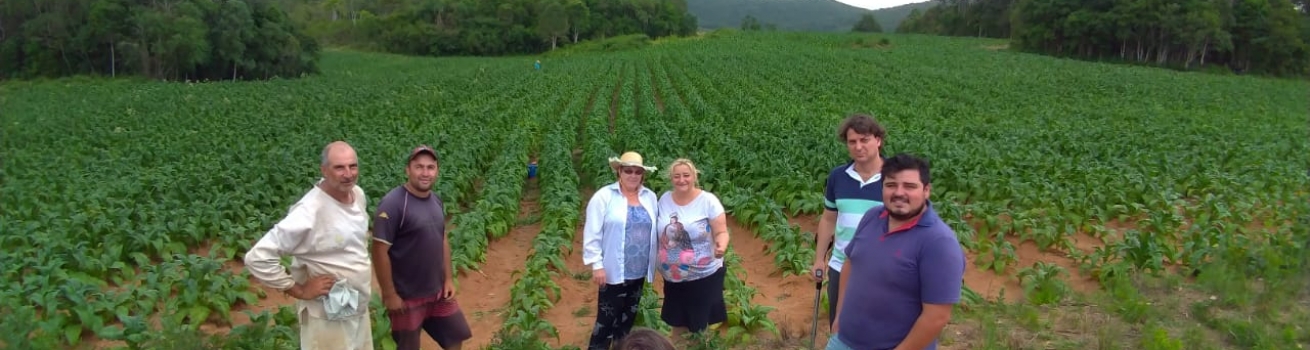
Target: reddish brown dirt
pixel 483 295
pixel 808 223
pixel 989 284
pixel 575 311
pixel 792 297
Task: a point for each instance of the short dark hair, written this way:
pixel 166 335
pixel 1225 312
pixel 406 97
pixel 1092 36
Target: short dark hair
pixel 904 161
pixel 642 338
pixel 862 124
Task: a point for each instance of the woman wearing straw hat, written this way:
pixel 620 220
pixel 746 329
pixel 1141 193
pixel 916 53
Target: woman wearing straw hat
pixel 618 243
pixel 691 263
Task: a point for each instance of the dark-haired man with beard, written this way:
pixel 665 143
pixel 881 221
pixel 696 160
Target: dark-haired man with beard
pixel 904 265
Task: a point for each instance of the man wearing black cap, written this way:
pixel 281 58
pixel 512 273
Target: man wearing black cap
pixel 411 257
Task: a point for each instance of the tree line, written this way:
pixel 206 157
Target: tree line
pixel 1247 36
pixel 483 28
pixel 161 39
pixel 785 15
pixel 866 24
pixel 261 39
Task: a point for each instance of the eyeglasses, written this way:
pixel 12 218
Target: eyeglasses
pixel 634 171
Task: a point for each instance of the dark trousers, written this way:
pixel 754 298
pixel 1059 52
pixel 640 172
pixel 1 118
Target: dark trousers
pixel 616 311
pixel 834 282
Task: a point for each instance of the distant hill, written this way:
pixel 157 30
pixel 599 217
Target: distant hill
pixel 799 15
pixel 891 17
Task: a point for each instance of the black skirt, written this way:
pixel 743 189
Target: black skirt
pixel 695 304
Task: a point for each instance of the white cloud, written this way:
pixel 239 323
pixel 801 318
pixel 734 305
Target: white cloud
pixel 877 4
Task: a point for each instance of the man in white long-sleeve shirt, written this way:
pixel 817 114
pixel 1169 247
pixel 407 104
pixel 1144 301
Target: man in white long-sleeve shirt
pixel 326 233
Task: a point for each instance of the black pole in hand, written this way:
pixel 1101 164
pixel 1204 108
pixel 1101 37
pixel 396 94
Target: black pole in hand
pixel 814 327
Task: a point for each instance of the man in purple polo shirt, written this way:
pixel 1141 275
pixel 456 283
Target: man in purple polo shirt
pixel 904 266
pixel 411 257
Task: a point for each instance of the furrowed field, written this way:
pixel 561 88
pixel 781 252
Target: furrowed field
pixel 1101 206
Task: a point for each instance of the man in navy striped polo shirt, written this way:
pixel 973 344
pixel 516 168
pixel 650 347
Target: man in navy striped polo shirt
pixel 851 190
pixel 904 268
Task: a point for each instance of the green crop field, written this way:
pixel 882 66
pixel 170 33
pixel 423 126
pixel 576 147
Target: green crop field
pixel 1102 206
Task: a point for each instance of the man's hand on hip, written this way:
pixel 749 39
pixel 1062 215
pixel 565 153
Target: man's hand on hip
pixel 313 288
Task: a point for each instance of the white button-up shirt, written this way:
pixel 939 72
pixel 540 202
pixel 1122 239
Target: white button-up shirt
pixel 603 235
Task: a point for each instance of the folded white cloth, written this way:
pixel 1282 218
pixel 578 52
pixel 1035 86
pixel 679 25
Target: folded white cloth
pixel 341 302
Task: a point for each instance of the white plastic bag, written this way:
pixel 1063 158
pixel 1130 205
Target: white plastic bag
pixel 341 302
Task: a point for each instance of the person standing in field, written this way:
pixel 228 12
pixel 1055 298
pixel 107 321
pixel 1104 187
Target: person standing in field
pixel 326 234
pixel 411 254
pixel 904 268
pixel 695 230
pixel 851 190
pixel 618 243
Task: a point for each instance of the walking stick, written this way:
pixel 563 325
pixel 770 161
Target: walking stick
pixel 814 327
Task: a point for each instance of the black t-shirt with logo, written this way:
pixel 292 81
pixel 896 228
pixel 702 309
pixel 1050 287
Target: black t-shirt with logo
pixel 416 229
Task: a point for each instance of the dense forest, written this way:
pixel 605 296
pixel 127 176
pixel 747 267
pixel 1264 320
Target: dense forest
pixel 1245 36
pixel 162 39
pixel 260 39
pixel 867 24
pixel 891 17
pixel 480 27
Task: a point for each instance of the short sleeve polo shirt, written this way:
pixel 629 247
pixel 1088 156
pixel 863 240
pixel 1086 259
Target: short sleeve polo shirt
pixel 895 271
pixel 847 194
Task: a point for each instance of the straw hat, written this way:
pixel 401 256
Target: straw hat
pixel 628 159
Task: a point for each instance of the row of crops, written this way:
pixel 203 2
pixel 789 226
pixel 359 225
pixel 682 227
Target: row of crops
pixel 111 189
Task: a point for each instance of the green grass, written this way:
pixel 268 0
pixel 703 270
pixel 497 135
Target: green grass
pixel 1196 182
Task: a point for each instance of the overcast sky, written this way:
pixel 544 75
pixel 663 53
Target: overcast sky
pixel 877 4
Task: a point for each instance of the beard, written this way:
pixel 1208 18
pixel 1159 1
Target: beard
pixel 907 215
